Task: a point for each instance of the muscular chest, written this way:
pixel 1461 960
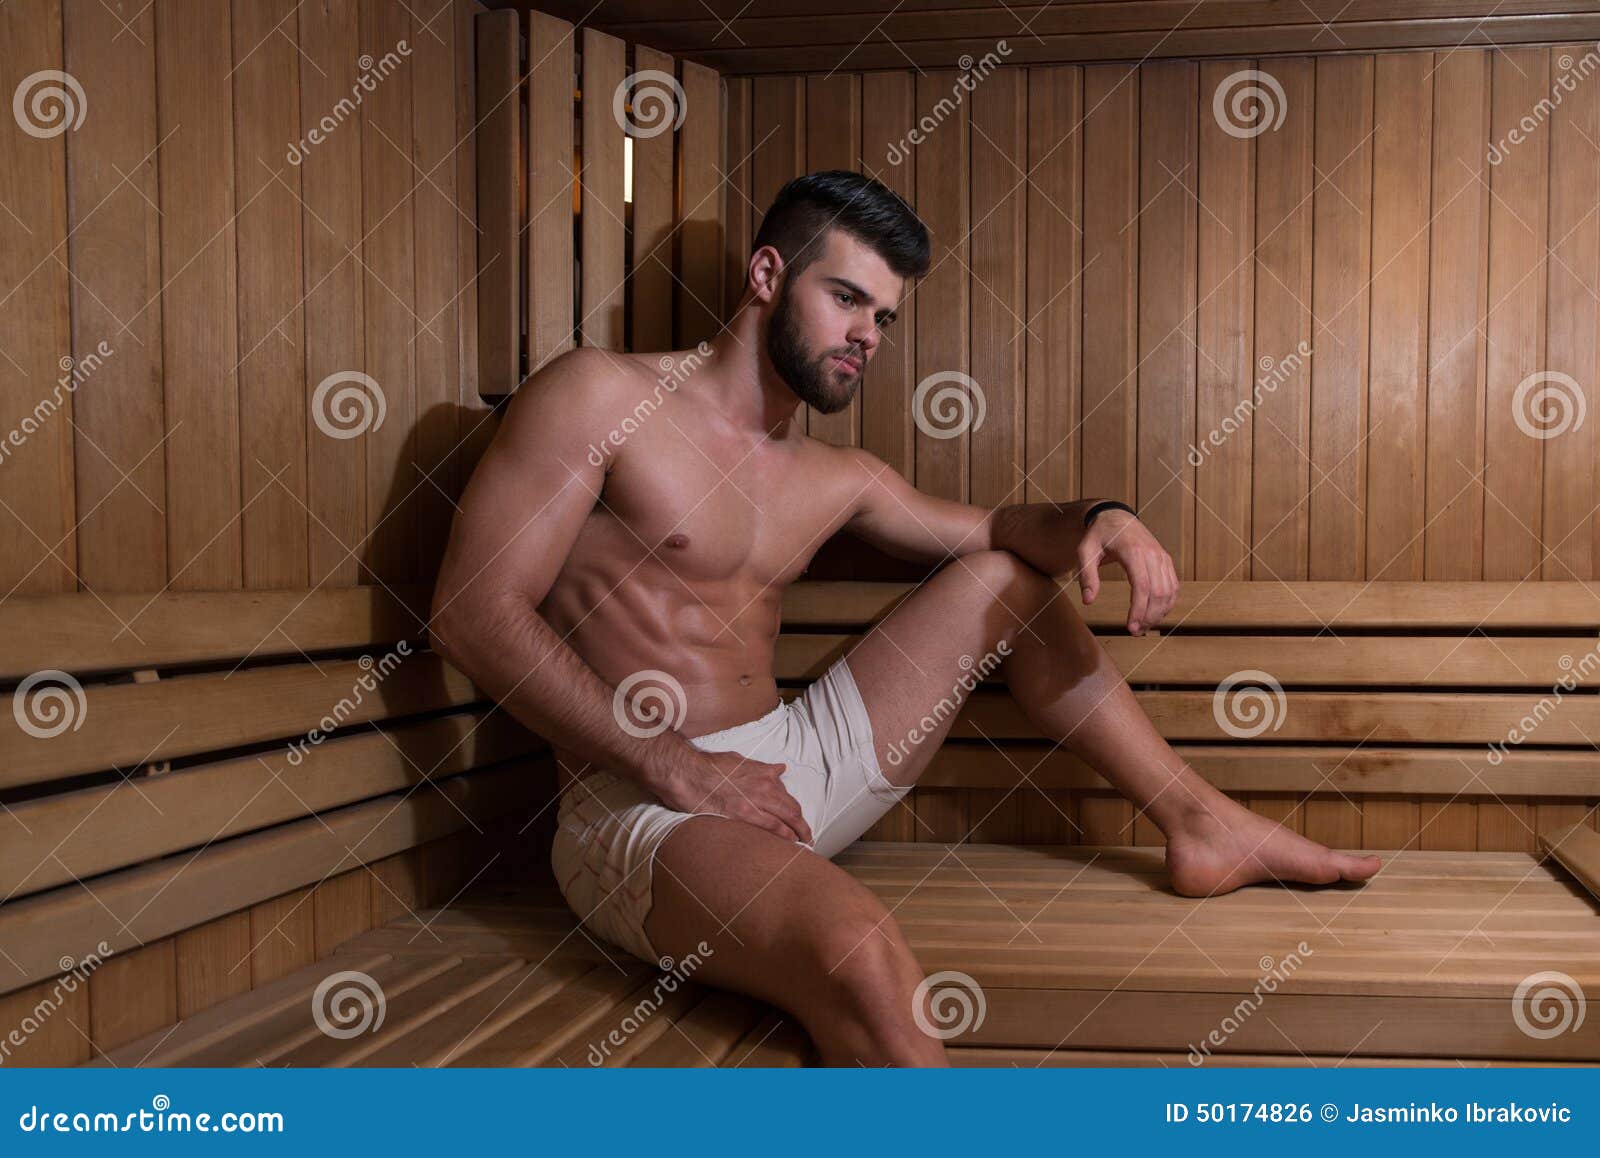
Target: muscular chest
pixel 717 510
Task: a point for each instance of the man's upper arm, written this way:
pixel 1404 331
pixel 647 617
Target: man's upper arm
pixel 534 487
pixel 894 516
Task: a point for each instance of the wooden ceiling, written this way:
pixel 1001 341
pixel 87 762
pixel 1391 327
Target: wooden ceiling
pixel 771 36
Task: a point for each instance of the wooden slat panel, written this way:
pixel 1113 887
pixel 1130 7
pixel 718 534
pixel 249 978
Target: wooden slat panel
pixel 435 214
pixel 200 342
pixel 114 251
pixel 140 905
pixel 651 119
pixel 36 540
pixel 82 633
pixel 1167 228
pixel 700 208
pixel 551 187
pixel 886 428
pixel 334 313
pixel 833 141
pixel 1223 333
pixel 1459 282
pixel 738 149
pixel 1168 39
pixel 600 295
pixel 121 725
pixel 1514 459
pixel 1570 514
pixel 499 240
pixel 1280 423
pixel 1314 606
pixel 476 416
pixel 272 388
pixel 51 840
pixel 388 261
pixel 1398 416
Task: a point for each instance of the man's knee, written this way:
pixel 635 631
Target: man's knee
pixel 1016 588
pixel 862 954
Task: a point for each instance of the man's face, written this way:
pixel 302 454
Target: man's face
pixel 827 322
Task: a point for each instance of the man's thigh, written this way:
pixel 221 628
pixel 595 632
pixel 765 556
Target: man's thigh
pixel 780 922
pixel 919 664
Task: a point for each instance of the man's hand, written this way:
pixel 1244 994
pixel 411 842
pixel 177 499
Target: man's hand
pixel 736 787
pixel 1119 537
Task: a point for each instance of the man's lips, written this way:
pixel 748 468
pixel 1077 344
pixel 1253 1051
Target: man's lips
pixel 854 366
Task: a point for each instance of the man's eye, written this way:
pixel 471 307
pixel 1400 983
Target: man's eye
pixel 845 299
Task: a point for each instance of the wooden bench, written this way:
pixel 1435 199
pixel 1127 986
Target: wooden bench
pixel 1391 694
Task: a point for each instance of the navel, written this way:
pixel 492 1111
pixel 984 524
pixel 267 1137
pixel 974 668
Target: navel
pixel 744 681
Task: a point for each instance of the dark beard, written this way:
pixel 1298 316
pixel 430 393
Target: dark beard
pixel 813 381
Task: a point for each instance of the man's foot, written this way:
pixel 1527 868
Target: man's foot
pixel 1230 847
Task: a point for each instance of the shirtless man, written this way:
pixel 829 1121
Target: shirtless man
pixel 613 579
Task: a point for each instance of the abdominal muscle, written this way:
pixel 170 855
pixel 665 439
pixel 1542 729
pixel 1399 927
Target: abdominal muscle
pixel 654 634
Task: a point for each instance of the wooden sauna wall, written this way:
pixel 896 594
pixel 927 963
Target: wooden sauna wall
pixel 1115 271
pixel 194 284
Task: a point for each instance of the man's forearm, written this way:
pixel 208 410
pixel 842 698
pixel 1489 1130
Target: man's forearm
pixel 1045 535
pixel 510 652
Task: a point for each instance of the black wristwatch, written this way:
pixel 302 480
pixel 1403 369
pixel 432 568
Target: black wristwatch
pixel 1107 505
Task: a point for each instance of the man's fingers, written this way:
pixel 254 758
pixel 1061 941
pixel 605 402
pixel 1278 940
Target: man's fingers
pixel 1138 609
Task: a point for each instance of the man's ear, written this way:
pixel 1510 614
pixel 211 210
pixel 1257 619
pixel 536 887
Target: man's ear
pixel 766 272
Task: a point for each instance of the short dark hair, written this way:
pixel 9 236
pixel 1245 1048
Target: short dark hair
pixel 806 208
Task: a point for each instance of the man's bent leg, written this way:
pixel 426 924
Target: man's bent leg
pixel 926 654
pixel 791 928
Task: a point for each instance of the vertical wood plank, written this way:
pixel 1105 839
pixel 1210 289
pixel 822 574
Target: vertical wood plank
pixel 699 238
pixel 738 196
pixel 436 212
pixel 335 314
pixel 114 252
pixel 132 993
pixel 654 109
pixel 272 389
pixel 1110 287
pixel 207 962
pixel 1226 285
pixel 1168 142
pixel 886 429
pixel 551 77
pixel 53 1019
pixel 282 937
pixel 388 213
pixel 833 141
pixel 1571 512
pixel 1401 225
pixel 199 315
pixel 475 419
pixel 1341 264
pixel 499 240
pixel 603 233
pixel 1456 307
pixel 1277 380
pixel 1516 421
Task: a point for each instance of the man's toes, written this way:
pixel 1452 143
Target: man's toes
pixel 1359 868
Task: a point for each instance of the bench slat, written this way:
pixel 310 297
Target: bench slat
pixel 83 633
